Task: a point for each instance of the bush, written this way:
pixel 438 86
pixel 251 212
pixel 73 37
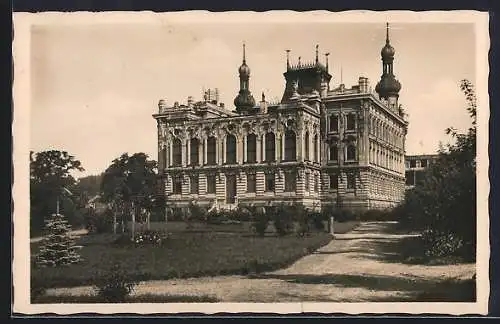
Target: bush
pixel 440 244
pixel 148 237
pixel 344 215
pixel 378 215
pixel 114 285
pixel 260 222
pixel 282 217
pixel 317 220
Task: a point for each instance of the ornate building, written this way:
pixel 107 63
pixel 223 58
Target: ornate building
pixel 317 146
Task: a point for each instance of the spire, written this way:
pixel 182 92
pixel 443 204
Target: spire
pixel 244 57
pixel 287 58
pixel 326 57
pixel 341 75
pixel 387 33
pixel 317 49
pixel 263 97
pixel 299 60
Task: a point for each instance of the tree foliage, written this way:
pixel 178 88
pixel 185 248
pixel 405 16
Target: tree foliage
pixel 130 182
pixel 50 172
pixel 58 247
pixel 443 206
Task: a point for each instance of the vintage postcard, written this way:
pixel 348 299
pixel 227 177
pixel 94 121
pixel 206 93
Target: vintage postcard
pixel 278 162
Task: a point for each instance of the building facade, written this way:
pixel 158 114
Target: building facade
pixel 318 146
pixel 415 166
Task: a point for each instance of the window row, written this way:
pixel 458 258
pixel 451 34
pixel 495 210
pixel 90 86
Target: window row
pixel 351 181
pixel 350 122
pixel 385 132
pixel 350 152
pixel 230 149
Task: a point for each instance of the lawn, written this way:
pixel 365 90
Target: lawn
pixel 185 254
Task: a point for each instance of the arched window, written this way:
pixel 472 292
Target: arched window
pixel 211 150
pixel 194 155
pixel 251 148
pixel 162 156
pixel 176 152
pixel 290 147
pixel 306 146
pixel 334 123
pixel 270 147
pixel 334 152
pixel 316 144
pixel 351 152
pixel 230 149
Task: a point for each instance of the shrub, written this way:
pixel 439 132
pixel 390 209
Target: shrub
pixel 148 238
pixel 440 244
pixel 282 217
pixel 344 215
pixel 114 285
pixel 317 220
pixel 260 222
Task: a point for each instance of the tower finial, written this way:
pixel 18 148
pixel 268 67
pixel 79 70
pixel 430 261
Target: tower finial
pixel 317 49
pixel 387 33
pixel 341 75
pixel 326 56
pixel 244 56
pixel 287 58
pixel 299 61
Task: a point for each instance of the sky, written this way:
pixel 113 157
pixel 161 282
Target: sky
pixel 94 87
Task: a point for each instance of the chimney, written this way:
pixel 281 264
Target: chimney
pixel 162 105
pixel 190 101
pixel 363 84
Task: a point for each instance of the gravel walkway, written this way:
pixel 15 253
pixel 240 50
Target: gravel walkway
pixel 355 267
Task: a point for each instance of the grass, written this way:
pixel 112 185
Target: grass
pixel 146 298
pixel 185 254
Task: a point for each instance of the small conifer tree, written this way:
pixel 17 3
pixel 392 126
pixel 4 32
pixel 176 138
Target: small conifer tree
pixel 58 247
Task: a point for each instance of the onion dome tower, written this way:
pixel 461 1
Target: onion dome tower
pixel 244 101
pixel 388 87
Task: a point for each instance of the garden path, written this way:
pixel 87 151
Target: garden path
pixel 355 267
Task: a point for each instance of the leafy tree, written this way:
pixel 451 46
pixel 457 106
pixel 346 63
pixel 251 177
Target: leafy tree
pixel 129 184
pixel 443 206
pixel 50 172
pixel 58 247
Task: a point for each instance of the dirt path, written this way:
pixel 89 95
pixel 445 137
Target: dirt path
pixel 355 267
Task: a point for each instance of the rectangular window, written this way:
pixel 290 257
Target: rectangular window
pixel 316 183
pixel 290 181
pixel 177 185
pixel 334 181
pixel 413 164
pixel 211 184
pixel 351 122
pixel 351 181
pixel 251 182
pixel 307 181
pixel 194 187
pixel 334 123
pixel 270 181
pixel 423 163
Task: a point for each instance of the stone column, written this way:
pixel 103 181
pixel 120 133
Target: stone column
pixel 282 147
pixel 263 146
pixel 299 152
pixel 205 150
pixel 201 155
pixel 170 153
pixel 258 149
pixel 183 153
pixel 245 157
pixel 188 149
pixel 224 150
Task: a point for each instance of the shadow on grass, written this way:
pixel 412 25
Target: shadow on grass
pixel 416 289
pixel 146 298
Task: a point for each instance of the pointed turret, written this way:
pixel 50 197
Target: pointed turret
pixel 244 101
pixel 388 87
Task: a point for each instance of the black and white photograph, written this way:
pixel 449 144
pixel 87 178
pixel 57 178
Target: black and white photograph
pixel 280 162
